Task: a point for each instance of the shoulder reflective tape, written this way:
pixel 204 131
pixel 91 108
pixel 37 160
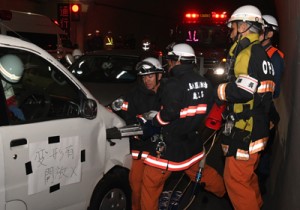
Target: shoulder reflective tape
pixel 160 121
pixel 193 110
pixel 124 106
pixel 266 86
pixel 247 83
pixel 173 166
pixel 271 50
pixel 221 91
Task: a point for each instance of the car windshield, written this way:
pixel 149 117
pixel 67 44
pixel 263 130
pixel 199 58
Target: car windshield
pixel 105 68
pixel 208 36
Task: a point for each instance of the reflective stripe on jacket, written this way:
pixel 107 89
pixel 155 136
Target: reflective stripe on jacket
pixel 186 99
pixel 250 96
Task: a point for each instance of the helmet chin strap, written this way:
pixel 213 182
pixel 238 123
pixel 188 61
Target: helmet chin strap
pixel 238 36
pixel 265 35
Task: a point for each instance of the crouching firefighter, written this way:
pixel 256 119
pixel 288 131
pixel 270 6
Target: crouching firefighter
pixel 143 98
pixel 186 99
pixel 11 72
pixel 248 100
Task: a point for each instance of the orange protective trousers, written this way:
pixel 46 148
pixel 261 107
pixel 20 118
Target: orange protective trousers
pixel 242 183
pixel 135 180
pixel 154 180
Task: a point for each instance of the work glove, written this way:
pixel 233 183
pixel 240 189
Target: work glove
pixel 149 130
pixel 149 115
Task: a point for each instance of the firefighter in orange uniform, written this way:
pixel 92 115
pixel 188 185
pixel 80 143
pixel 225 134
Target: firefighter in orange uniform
pixel 144 98
pixel 186 99
pixel 248 96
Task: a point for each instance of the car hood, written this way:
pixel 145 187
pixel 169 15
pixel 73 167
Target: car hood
pixel 106 93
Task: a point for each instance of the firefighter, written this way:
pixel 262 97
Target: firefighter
pixel 186 99
pixel 268 39
pixel 248 98
pixel 11 72
pixel 144 98
pixel 109 41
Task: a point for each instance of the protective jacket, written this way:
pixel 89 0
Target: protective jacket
pixel 186 99
pixel 277 58
pixel 248 98
pixel 139 101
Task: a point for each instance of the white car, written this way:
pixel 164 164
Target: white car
pixel 57 155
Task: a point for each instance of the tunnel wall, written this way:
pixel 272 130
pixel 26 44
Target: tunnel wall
pixel 285 171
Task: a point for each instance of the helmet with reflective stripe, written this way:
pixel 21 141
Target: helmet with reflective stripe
pixel 247 13
pixel 270 22
pixel 149 65
pixel 11 68
pixel 182 52
pixel 76 53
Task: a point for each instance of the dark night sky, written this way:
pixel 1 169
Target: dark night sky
pixel 266 6
pixel 174 8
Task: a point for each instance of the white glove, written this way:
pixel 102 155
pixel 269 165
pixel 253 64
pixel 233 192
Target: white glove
pixel 150 115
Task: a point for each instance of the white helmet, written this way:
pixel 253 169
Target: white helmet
pixel 246 13
pixel 76 53
pixel 270 22
pixel 11 68
pixel 69 58
pixel 183 52
pixel 149 65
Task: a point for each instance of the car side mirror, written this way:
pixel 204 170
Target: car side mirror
pixel 89 109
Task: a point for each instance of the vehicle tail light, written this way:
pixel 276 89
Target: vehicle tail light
pixel 220 15
pixel 191 17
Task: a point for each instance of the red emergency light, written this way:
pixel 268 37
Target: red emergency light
pixel 191 17
pixel 221 15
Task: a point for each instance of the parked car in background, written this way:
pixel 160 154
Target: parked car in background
pixel 55 155
pixel 107 74
pixel 41 31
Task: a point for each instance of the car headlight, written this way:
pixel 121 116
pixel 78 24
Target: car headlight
pixel 219 71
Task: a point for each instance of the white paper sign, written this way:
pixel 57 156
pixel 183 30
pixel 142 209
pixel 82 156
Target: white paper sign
pixel 52 164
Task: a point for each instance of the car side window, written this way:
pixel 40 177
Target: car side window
pixel 105 69
pixel 43 93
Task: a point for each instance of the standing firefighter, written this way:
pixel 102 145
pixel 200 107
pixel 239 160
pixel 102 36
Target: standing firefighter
pixel 144 98
pixel 268 41
pixel 186 99
pixel 248 96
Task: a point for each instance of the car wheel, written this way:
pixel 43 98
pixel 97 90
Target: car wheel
pixel 113 192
